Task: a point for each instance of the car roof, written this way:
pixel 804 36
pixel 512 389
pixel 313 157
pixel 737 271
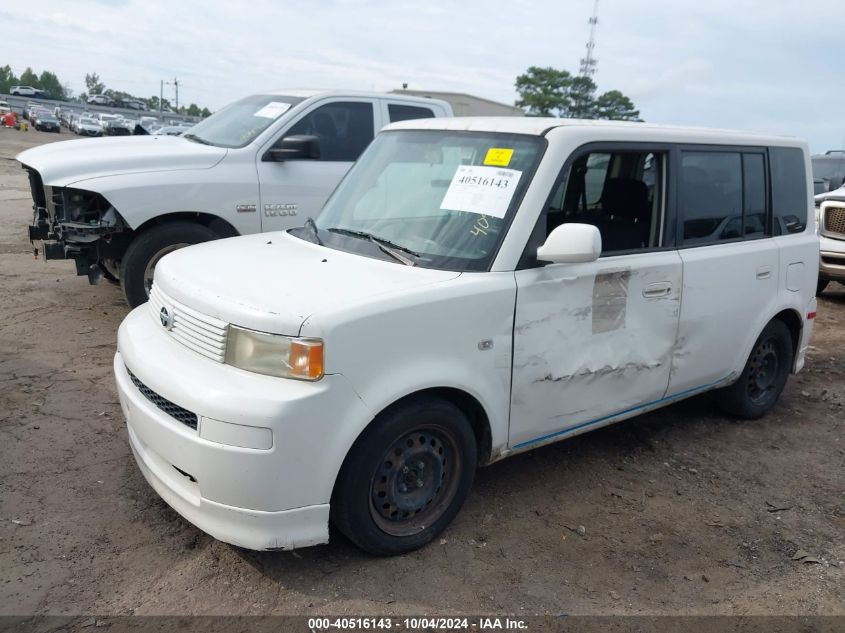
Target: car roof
pixel 365 94
pixel 540 126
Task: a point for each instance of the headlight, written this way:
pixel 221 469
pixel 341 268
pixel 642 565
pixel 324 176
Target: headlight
pixel 274 354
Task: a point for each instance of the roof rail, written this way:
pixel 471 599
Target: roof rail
pixel 834 151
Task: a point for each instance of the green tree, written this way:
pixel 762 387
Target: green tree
pixel 50 84
pixel 29 78
pixel 93 84
pixel 616 106
pixel 543 91
pixel 205 112
pixel 581 92
pixel 7 79
pixel 553 92
pixel 193 110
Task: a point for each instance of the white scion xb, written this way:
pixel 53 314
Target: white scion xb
pixel 472 289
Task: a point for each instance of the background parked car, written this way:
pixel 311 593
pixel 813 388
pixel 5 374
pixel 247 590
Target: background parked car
pixel 88 126
pixel 100 100
pixel 118 127
pixel 23 91
pixel 47 123
pixel 172 130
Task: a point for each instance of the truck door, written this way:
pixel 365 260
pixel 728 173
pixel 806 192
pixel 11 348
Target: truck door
pixel 293 190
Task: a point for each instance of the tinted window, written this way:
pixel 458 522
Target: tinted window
pixel 711 196
pixel 344 129
pixel 754 194
pixel 405 112
pixel 789 189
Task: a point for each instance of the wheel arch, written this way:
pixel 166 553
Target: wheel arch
pixel 792 320
pixel 217 224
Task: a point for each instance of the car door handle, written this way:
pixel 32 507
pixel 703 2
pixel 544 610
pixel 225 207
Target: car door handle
pixel 659 289
pixel 764 272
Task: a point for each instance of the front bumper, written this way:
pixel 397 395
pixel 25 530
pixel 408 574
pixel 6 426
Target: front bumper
pixel 273 497
pixel 832 259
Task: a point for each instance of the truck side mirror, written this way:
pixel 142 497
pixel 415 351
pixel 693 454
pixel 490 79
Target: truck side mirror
pixel 571 244
pixel 294 147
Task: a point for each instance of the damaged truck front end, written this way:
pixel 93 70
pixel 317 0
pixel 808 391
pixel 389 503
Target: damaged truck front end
pixel 71 223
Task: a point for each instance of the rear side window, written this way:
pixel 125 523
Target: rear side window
pixel 711 196
pixel 399 112
pixel 789 190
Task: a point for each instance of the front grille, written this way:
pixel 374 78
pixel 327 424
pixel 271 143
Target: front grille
pixel 199 332
pixel 834 219
pixel 173 410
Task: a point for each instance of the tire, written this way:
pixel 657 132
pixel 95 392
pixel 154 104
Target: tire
pixel 764 376
pixel 139 260
pixel 821 285
pixel 406 477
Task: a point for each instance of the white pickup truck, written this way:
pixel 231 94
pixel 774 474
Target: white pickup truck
pixel 264 163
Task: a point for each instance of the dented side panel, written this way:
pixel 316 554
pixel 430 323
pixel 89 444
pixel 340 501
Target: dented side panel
pixel 591 340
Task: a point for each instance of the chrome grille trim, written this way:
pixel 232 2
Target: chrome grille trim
pixel 198 332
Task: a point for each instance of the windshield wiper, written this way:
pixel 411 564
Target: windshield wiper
pixel 386 246
pixel 194 137
pixel 310 224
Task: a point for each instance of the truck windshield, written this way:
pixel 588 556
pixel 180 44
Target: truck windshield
pixel 432 198
pixel 240 122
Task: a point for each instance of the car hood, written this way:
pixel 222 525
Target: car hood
pixel 272 282
pixel 67 162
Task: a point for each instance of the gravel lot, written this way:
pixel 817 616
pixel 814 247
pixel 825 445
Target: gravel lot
pixel 682 511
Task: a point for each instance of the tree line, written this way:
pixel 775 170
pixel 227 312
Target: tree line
pixel 553 92
pixel 55 89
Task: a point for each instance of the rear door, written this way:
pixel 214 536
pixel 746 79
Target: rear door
pixel 731 264
pixel 294 190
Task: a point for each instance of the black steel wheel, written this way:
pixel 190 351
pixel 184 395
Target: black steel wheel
pixel 764 376
pixel 406 477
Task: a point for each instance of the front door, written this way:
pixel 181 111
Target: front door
pixel 293 190
pixel 594 340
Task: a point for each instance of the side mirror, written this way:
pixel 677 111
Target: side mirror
pixel 294 147
pixel 571 244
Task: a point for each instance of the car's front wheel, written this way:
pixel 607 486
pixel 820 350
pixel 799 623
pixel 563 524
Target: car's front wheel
pixel 139 261
pixel 406 477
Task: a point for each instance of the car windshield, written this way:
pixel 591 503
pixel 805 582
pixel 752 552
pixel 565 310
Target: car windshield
pixel 87 121
pixel 431 198
pixel 239 123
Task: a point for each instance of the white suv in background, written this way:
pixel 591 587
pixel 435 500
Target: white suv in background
pixel 473 288
pixel 830 208
pixel 24 91
pixel 264 163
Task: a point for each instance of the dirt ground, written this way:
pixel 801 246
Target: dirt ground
pixel 682 511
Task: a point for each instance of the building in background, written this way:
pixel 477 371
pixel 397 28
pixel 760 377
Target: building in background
pixel 467 105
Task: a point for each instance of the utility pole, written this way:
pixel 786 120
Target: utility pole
pixel 176 83
pixel 160 98
pixel 588 63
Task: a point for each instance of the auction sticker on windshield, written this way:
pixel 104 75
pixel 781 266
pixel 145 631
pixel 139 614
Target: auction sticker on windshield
pixel 479 189
pixel 273 109
pixel 498 156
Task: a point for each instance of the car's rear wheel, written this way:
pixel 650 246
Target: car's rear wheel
pixel 764 375
pixel 139 261
pixel 406 477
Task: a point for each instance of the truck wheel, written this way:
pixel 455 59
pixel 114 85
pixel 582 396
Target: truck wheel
pixel 406 477
pixel 821 285
pixel 140 259
pixel 110 270
pixel 764 376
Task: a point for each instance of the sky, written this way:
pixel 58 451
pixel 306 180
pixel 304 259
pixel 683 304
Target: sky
pixel 761 65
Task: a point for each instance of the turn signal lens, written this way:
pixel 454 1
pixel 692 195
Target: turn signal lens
pixel 306 359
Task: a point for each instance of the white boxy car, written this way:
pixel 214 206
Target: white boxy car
pixel 264 163
pixel 472 289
